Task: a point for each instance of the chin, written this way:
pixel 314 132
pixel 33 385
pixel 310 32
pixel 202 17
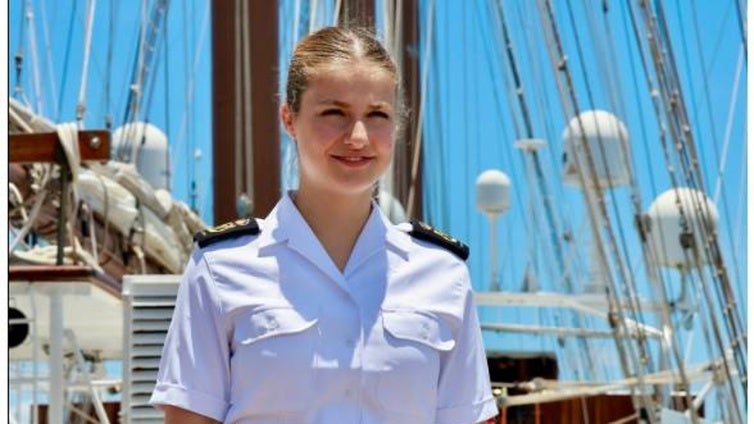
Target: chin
pixel 351 188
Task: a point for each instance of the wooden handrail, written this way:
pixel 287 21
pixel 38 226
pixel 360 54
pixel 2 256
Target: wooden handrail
pixel 94 146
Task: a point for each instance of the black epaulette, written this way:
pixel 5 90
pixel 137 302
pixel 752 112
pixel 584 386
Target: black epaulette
pixel 227 231
pixel 425 232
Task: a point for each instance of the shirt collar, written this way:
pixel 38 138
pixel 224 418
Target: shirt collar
pixel 285 224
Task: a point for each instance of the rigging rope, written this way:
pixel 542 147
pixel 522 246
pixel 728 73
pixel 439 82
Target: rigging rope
pixel 166 100
pixel 670 91
pixel 630 289
pixel 648 254
pixel 248 117
pixel 585 349
pixel 596 202
pixel 108 67
pixel 36 84
pixel 545 117
pixel 19 56
pixel 574 261
pixel 88 29
pixel 48 58
pixel 726 144
pixel 742 27
pixel 662 138
pixel 64 78
pixel 711 248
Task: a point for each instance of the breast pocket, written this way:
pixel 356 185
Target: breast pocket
pixel 273 360
pixel 411 362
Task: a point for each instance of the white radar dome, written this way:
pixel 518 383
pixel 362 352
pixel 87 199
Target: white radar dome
pixel 604 136
pixel 493 191
pixel 666 232
pixel 151 148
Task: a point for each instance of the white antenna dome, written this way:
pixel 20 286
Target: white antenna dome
pixel 607 140
pixel 666 232
pixel 150 146
pixel 493 191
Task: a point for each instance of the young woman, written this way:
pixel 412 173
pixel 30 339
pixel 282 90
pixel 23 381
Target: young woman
pixel 324 312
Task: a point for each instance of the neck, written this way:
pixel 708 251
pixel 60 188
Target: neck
pixel 335 219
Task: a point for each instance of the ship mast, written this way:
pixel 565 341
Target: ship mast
pixel 246 136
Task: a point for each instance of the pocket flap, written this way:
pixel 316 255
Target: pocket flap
pixel 421 327
pixel 271 322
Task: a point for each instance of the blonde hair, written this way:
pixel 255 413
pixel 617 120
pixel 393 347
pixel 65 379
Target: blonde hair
pixel 330 46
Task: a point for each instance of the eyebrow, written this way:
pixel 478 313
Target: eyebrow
pixel 334 102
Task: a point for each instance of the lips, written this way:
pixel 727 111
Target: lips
pixel 353 161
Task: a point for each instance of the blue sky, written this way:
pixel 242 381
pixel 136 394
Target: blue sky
pixel 178 103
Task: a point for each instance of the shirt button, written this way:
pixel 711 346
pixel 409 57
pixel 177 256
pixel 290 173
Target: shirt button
pixel 349 393
pixel 272 323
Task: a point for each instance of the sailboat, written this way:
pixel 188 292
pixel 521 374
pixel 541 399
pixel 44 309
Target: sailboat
pixel 586 151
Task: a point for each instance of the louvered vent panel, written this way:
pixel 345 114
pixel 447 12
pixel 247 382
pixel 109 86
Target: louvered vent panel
pixel 149 302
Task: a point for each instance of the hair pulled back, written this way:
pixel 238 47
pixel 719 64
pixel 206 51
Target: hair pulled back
pixel 329 47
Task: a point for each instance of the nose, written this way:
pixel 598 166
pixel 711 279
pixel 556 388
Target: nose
pixel 358 137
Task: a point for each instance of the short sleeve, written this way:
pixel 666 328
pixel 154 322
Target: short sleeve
pixel 194 369
pixel 464 392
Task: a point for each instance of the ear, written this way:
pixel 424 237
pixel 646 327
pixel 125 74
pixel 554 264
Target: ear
pixel 286 117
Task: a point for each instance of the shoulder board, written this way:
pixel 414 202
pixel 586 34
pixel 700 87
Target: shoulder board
pixel 425 232
pixel 227 231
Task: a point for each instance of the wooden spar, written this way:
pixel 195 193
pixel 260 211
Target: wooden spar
pixel 245 106
pixel 223 114
pixel 265 105
pixel 44 147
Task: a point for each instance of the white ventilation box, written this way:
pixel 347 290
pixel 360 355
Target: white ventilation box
pixel 148 302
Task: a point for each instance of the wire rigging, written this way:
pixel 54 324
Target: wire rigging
pixel 742 27
pixel 48 58
pixel 19 56
pixel 630 282
pixel 662 56
pixel 88 29
pixel 711 247
pixel 35 65
pixel 109 66
pixel 713 133
pixel 585 349
pixel 597 217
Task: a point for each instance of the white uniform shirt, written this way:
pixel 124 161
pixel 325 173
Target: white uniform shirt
pixel 267 330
